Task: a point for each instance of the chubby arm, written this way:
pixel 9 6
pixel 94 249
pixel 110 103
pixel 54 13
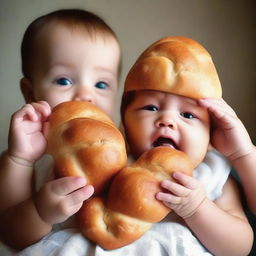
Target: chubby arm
pixel 21 226
pixel 246 169
pixel 30 220
pixel 230 137
pixel 221 226
pixel 26 144
pixel 26 217
pixel 15 181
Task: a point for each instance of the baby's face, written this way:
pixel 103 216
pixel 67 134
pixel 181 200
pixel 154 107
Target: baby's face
pixel 156 118
pixel 72 65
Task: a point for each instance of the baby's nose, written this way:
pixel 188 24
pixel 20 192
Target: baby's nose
pixel 84 93
pixel 165 120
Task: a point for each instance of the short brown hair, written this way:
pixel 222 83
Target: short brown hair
pixel 70 17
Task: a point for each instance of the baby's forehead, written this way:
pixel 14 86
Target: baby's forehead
pixel 48 30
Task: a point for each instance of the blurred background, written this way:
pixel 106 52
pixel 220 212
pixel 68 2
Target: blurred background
pixel 226 28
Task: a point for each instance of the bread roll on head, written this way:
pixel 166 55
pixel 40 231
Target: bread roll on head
pixel 85 142
pixel 176 65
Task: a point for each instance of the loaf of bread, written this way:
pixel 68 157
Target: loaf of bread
pixel 130 207
pixel 85 142
pixel 176 65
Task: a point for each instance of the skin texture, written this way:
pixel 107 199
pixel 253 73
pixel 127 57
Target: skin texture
pixel 68 65
pixel 186 123
pixel 232 139
pixel 71 65
pixel 159 114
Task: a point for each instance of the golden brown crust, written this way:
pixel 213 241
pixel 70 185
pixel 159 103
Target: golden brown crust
pixel 84 142
pixel 176 65
pixel 108 228
pixel 86 145
pixel 131 207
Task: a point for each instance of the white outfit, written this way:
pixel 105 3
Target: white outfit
pixel 170 237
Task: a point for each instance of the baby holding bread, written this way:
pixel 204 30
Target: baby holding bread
pixel 173 101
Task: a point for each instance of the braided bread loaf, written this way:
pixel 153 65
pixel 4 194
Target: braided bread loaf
pixel 85 142
pixel 130 208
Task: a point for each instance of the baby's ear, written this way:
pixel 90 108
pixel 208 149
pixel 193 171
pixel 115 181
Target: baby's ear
pixel 27 90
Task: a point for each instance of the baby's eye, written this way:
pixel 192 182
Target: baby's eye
pixel 150 108
pixel 101 85
pixel 188 115
pixel 63 81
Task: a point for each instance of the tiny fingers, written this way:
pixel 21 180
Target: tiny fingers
pixel 74 201
pixel 177 192
pixel 175 188
pixel 80 195
pixel 168 199
pixel 185 180
pixel 218 107
pixel 42 108
pixel 66 185
pixel 26 112
pixel 33 112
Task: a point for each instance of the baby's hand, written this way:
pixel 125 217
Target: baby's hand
pixel 26 139
pixel 184 197
pixel 229 136
pixel 59 199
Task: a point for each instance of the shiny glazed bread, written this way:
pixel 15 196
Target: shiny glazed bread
pixel 176 65
pixel 85 142
pixel 130 208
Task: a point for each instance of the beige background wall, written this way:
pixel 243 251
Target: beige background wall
pixel 226 28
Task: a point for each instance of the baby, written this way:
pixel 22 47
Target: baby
pixel 66 55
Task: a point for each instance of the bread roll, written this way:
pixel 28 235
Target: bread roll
pixel 176 65
pixel 85 142
pixel 131 207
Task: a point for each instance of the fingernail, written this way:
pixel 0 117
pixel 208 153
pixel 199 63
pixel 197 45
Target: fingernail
pixel 175 175
pixel 82 180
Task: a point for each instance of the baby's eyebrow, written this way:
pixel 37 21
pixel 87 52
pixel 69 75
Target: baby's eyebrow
pixel 59 67
pixel 105 69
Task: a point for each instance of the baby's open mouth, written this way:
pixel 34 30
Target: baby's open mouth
pixel 161 141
